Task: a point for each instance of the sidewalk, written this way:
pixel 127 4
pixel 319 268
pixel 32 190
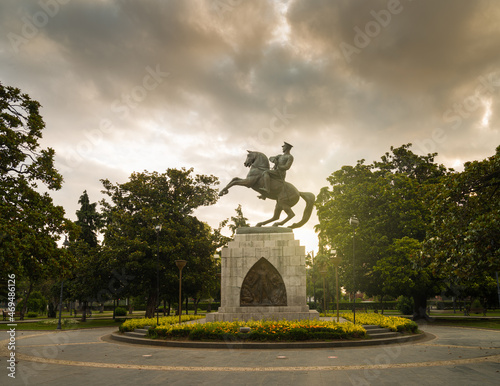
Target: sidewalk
pixel 458 356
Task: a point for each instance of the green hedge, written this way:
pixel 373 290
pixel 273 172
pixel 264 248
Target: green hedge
pixel 347 306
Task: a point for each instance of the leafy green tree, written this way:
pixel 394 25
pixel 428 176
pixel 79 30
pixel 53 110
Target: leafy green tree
pixel 464 239
pixel 89 220
pixel 37 303
pixel 30 224
pixel 406 271
pixel 133 239
pixel 200 274
pixel 91 272
pixel 390 198
pixel 238 221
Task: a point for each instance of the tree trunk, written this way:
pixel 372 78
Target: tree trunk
pixel 130 307
pixel 25 303
pixel 164 307
pixel 196 301
pixel 84 311
pixel 52 311
pixel 151 304
pixel 168 309
pixel 187 301
pixel 420 307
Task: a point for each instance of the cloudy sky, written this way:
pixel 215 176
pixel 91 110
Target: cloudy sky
pixel 149 85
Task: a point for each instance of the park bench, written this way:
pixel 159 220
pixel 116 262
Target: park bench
pixel 477 310
pixel 5 314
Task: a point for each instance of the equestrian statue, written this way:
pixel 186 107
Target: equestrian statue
pixel 270 183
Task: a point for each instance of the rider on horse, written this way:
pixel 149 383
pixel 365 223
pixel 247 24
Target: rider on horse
pixel 282 163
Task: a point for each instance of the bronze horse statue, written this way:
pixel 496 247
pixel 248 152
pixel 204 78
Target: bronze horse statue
pixel 285 194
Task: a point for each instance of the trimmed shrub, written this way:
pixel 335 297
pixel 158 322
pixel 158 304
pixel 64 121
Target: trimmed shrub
pixel 393 323
pixel 405 305
pixel 120 311
pixel 132 324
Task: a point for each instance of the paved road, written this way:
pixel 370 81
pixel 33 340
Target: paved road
pixel 451 356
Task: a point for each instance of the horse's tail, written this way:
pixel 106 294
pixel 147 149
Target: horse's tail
pixel 309 199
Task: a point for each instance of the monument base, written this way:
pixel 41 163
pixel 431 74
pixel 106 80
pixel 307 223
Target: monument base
pixel 263 277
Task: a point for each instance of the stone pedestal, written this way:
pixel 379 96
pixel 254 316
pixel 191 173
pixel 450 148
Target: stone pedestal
pixel 263 277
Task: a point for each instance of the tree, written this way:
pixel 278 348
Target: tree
pixel 390 198
pixel 89 220
pixel 464 237
pixel 200 274
pixel 238 221
pixel 30 224
pixel 405 271
pixel 91 272
pixel 133 239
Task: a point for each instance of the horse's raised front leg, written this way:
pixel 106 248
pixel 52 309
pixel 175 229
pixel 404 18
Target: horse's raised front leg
pixel 226 188
pixel 247 182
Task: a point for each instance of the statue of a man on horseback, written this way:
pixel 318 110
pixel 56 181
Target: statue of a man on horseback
pixel 270 183
pixel 282 163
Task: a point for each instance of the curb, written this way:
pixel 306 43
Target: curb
pixel 261 345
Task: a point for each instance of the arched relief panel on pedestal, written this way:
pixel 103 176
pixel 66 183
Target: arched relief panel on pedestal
pixel 263 286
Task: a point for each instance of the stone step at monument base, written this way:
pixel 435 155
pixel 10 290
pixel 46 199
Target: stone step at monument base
pixel 261 315
pixel 262 309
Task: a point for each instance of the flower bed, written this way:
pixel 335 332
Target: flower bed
pixel 394 323
pixel 132 324
pixel 260 331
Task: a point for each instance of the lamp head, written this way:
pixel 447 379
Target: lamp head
pixel 180 263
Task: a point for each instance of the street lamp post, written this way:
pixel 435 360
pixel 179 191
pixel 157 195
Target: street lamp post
pixel 180 264
pixel 323 275
pixel 314 280
pixel 336 261
pixel 158 229
pixel 354 222
pixel 65 245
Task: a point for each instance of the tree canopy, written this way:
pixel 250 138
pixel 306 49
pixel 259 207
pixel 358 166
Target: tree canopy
pixel 30 224
pixel 91 274
pixel 464 237
pixel 149 225
pixel 390 198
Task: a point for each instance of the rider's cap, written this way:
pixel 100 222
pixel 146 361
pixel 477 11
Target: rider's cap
pixel 287 144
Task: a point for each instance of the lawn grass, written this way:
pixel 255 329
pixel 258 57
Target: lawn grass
pixel 95 321
pixel 438 319
pixel 40 326
pixel 466 321
pixel 450 319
